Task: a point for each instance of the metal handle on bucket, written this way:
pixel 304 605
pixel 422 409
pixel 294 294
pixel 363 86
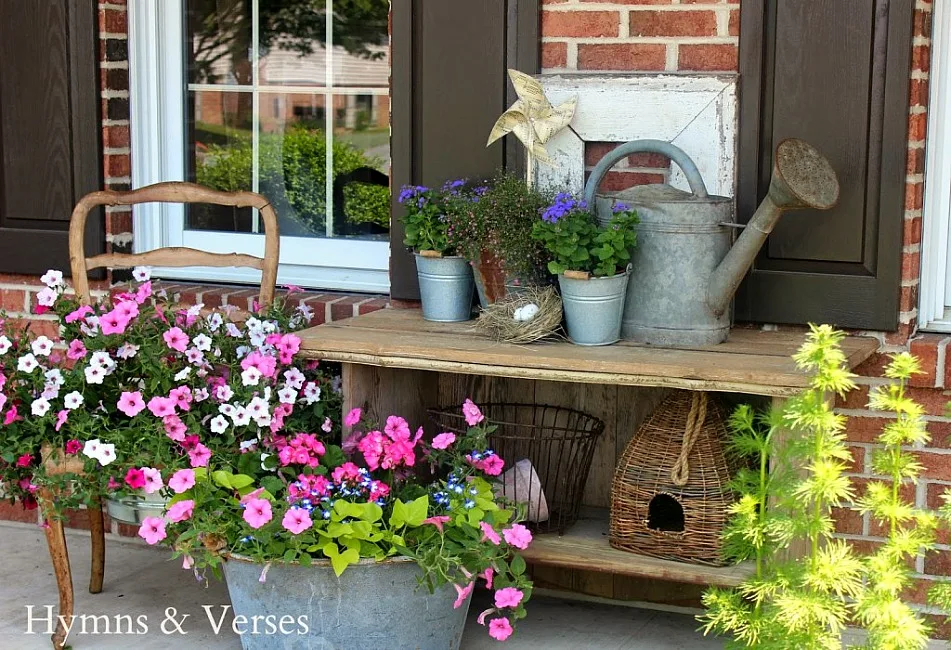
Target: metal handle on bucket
pixel 675 153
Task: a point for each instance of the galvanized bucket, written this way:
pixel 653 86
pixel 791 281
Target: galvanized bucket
pixel 445 288
pixel 593 308
pixel 372 606
pixel 134 509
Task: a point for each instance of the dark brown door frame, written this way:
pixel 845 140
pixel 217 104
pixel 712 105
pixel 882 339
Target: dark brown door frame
pixel 522 51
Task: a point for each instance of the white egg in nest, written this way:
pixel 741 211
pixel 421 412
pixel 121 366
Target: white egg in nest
pixel 526 313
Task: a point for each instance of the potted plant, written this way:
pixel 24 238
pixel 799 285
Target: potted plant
pixel 377 543
pixel 592 265
pixel 445 279
pixel 495 234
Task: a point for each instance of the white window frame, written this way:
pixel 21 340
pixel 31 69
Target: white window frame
pixel 935 283
pixel 157 104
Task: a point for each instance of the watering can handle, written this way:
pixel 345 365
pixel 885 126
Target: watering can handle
pixel 663 147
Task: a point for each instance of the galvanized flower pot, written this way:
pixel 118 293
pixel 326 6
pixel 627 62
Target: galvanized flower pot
pixel 372 606
pixel 445 288
pixel 593 308
pixel 134 509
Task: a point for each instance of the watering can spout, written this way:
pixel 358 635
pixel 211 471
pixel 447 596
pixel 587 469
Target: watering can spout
pixel 802 178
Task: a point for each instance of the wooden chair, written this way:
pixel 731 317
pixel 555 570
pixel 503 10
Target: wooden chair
pixel 169 257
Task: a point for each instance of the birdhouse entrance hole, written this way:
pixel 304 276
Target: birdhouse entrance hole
pixel 665 513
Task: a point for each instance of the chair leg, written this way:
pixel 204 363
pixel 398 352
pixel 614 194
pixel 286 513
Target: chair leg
pixel 98 538
pixel 56 541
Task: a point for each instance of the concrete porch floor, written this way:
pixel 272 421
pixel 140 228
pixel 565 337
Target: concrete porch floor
pixel 142 580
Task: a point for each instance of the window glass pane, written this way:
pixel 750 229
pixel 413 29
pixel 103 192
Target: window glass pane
pixel 219 41
pixel 312 132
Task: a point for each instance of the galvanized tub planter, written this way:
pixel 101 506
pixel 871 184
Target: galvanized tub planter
pixel 371 606
pixel 445 287
pixel 594 307
pixel 134 509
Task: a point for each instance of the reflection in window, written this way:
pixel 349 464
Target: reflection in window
pixel 280 104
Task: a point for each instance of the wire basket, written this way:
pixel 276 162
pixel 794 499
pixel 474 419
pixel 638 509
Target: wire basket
pixel 557 442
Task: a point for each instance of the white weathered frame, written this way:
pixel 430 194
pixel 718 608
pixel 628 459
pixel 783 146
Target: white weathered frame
pixel 695 112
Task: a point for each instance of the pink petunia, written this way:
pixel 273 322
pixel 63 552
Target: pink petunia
pixel 127 309
pixel 508 597
pixel 61 418
pixel 152 530
pixel 144 292
pixel 443 440
pixel 437 521
pixel 182 396
pixel 162 406
pixel 257 512
pixel 488 533
pixel 182 480
pixel 11 415
pixel 181 511
pixel 472 413
pixel 78 314
pixel 396 427
pixel 297 520
pixel 481 618
pixel 199 455
pixel 493 465
pixel 25 460
pixel 135 478
pixel 518 536
pixel 353 417
pixel 153 480
pixel 462 594
pixel 176 339
pixel 73 447
pixel 500 629
pixel 487 575
pixel 174 427
pixel 112 323
pixel 131 403
pixel 76 350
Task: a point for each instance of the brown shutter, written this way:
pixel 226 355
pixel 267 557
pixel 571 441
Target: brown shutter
pixel 49 129
pixel 449 87
pixel 834 73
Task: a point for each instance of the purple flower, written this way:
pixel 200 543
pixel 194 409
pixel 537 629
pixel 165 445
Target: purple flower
pixel 620 207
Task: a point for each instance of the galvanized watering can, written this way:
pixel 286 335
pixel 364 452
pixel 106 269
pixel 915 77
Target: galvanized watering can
pixel 686 266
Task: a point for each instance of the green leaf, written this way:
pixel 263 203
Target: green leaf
pixel 289 555
pixel 272 484
pixel 240 481
pixel 222 478
pixel 340 561
pixel 305 560
pixel 517 565
pixel 410 514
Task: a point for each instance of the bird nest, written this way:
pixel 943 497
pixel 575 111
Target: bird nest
pixel 499 321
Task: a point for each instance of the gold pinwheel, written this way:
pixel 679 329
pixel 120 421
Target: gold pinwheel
pixel 532 118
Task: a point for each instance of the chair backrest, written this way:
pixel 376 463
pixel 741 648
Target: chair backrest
pixel 174 192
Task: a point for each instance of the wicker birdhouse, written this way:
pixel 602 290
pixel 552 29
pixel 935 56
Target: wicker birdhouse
pixel 670 494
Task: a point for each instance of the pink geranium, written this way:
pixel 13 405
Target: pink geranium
pixel 518 536
pixel 181 511
pixel 500 629
pixel 176 339
pixel 182 481
pixel 199 455
pixel 152 530
pixel 135 478
pixel 297 520
pixel 443 440
pixel 472 413
pixel 257 512
pixel 508 597
pixel 131 403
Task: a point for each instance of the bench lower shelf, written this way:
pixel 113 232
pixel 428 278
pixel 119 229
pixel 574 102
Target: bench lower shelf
pixel 585 546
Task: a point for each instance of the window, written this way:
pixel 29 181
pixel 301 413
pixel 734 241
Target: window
pixel 935 287
pixel 268 96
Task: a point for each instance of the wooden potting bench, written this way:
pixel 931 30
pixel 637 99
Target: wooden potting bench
pixel 396 362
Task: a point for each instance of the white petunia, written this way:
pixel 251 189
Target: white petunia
pixel 194 356
pixel 27 363
pixel 42 346
pixel 91 448
pixel 40 407
pixel 214 321
pixel 287 395
pixel 311 392
pixel 101 359
pixel 306 312
pixel 52 278
pixel 233 331
pixel 183 374
pixel 227 409
pixel 202 342
pixel 257 406
pixel 195 310
pixel 54 377
pixel 5 345
pixel 223 393
pixel 90 326
pixel 200 394
pixel 49 393
pixel 46 297
pixel 219 424
pixel 247 445
pixel 127 351
pixel 73 400
pixel 241 417
pixel 294 378
pixel 142 273
pixel 107 454
pixel 251 376
pixel 94 374
pixel 257 338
